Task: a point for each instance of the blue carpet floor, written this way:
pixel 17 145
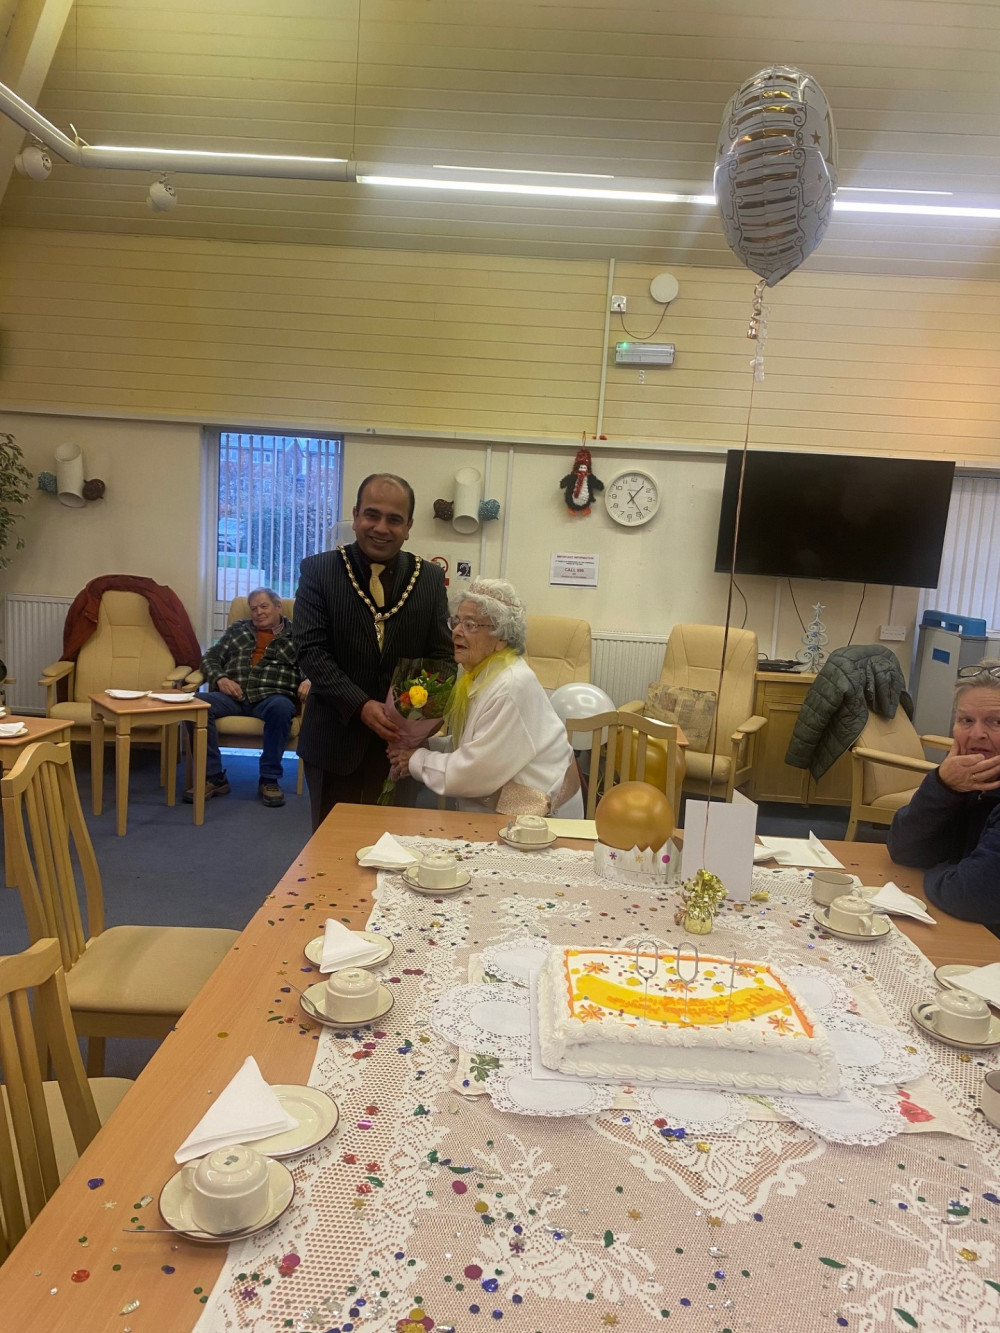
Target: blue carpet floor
pixel 167 872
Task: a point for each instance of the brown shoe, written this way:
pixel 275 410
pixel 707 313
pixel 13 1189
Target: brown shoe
pixel 271 794
pixel 213 787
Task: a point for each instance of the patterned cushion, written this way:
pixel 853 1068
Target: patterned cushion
pixel 691 710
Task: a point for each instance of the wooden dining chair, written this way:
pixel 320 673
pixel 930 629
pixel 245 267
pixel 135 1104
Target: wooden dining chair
pixel 619 751
pixel 126 981
pixel 44 1125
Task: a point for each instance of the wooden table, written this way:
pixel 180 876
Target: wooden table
pixel 149 712
pixel 133 1154
pixel 11 749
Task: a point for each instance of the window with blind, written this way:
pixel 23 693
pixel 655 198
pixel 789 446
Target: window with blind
pixel 278 499
pixel 968 584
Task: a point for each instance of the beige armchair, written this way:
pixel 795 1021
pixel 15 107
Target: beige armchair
pixel 125 652
pixel 692 658
pixel 558 650
pixel 888 764
pixel 245 733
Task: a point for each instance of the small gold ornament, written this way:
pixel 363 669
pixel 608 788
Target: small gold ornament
pixel 701 898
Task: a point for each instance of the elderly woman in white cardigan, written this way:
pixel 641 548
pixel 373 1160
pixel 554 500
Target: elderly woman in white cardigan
pixel 506 750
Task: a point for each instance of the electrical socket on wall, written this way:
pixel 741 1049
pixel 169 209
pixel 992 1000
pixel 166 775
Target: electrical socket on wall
pixel 619 305
pixel 892 633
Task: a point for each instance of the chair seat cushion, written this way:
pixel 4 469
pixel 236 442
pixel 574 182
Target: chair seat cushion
pixel 699 768
pixel 893 800
pixel 250 726
pixel 146 969
pixel 107 1093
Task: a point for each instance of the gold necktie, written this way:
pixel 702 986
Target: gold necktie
pixel 375 586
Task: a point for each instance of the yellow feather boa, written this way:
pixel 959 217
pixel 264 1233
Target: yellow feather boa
pixel 469 684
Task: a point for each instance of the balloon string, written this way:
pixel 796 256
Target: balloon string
pixel 752 332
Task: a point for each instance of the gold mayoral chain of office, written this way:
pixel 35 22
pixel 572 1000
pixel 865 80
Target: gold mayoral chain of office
pixel 379 615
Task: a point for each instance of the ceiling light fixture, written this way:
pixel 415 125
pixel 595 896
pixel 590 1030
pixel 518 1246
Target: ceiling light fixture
pixel 33 161
pixel 522 171
pixel 370 176
pixel 162 197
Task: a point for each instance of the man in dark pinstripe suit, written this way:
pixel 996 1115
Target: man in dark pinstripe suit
pixel 359 609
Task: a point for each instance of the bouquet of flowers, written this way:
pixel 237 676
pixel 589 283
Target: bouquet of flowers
pixel 417 698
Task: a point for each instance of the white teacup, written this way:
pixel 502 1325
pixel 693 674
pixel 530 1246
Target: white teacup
pixel 850 913
pixel 530 828
pixel 830 884
pixel 438 870
pixel 960 1015
pixel 351 995
pixel 989 1098
pixel 229 1189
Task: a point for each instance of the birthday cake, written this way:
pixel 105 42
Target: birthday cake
pixel 712 1025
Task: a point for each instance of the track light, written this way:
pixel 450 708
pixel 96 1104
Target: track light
pixel 162 196
pixel 33 161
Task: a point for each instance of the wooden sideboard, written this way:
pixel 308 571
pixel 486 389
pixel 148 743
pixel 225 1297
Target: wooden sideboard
pixel 778 697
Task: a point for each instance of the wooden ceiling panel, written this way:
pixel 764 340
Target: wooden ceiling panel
pixel 590 86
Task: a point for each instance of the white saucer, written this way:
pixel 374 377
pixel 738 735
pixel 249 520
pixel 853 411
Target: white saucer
pixel 314 949
pixel 950 976
pixel 126 694
pixel 175 1206
pixel 916 1013
pixel 316 995
pixel 316 1113
pixel 881 926
pixel 525 846
pixel 171 698
pixel 411 882
pixel 12 735
pixel 382 865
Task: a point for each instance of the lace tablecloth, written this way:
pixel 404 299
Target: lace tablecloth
pixel 430 1209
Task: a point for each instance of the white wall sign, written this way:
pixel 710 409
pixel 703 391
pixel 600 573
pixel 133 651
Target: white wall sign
pixel 578 570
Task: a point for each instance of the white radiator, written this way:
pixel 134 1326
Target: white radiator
pixel 32 640
pixel 624 665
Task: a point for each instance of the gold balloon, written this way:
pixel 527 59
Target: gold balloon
pixel 656 766
pixel 634 814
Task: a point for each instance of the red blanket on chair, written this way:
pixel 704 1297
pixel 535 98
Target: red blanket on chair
pixel 165 609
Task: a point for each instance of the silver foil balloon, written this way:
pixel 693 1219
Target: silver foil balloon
pixel 776 170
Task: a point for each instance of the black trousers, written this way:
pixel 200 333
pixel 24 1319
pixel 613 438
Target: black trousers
pixel 362 787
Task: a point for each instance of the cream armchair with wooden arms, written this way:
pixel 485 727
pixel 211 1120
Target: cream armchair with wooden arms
pixel 888 764
pixel 691 661
pixel 126 981
pixel 125 652
pixel 558 650
pixel 245 733
pixel 44 1124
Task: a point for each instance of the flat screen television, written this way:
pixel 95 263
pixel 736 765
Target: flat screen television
pixel 827 516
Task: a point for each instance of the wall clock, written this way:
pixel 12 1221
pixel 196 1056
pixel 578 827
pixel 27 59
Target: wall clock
pixel 632 498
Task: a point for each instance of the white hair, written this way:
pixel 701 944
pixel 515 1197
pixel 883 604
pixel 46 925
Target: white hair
pixel 987 677
pixel 498 603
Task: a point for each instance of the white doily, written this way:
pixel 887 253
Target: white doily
pixel 387 1212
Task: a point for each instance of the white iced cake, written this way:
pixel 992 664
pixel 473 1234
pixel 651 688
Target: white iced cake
pixel 599 1018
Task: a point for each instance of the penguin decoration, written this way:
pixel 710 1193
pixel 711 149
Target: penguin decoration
pixel 581 486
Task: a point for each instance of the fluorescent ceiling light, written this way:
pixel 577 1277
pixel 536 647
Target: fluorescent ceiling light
pixel 198 152
pixel 916 210
pixel 521 171
pixel 552 191
pixel 877 189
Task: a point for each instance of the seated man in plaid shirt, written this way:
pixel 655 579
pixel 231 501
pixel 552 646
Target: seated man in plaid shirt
pixel 253 671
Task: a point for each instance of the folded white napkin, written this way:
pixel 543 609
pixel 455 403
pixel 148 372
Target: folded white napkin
pixel 387 852
pixel 799 852
pixel 246 1109
pixel 344 948
pixel 891 898
pixel 984 981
